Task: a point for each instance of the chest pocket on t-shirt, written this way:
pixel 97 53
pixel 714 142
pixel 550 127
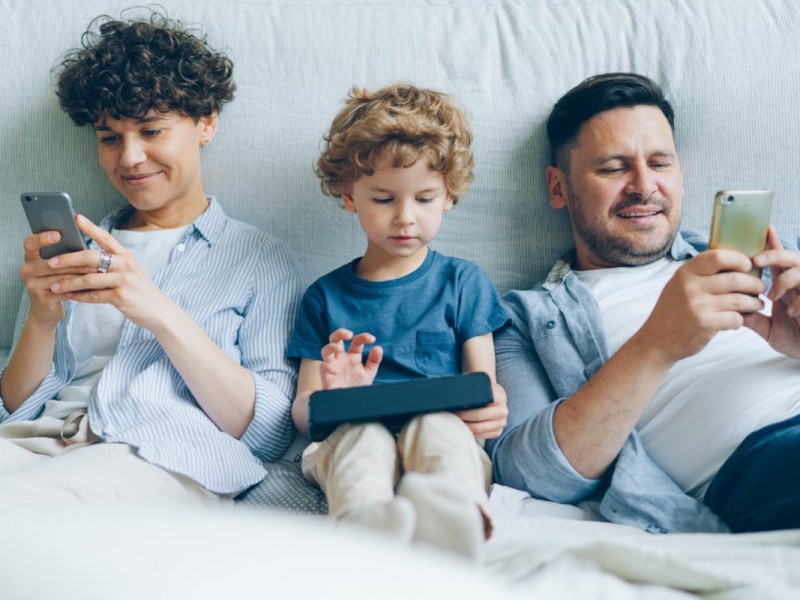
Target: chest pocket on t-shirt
pixel 436 352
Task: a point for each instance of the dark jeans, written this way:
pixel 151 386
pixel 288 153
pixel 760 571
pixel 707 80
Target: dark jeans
pixel 758 487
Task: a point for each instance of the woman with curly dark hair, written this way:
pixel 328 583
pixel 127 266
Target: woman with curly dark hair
pixel 151 365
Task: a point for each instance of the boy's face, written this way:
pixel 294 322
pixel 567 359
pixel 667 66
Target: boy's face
pixel 400 210
pixel 155 161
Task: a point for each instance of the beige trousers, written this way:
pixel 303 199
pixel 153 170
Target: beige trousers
pixel 359 465
pixel 57 462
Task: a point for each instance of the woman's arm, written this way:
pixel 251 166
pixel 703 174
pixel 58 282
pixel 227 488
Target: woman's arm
pixel 32 358
pixel 222 387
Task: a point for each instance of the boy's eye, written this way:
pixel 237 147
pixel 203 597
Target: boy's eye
pixel 108 139
pixel 385 200
pixel 425 200
pixel 151 132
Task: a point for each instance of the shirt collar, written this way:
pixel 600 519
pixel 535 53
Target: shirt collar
pixel 681 250
pixel 209 225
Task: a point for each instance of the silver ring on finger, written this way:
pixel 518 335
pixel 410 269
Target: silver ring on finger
pixel 105 262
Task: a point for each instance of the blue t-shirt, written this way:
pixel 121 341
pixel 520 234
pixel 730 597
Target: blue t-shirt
pixel 421 320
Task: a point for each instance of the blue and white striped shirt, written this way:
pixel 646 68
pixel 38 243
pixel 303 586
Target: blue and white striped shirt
pixel 239 285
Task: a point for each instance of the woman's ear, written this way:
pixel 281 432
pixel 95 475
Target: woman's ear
pixel 208 128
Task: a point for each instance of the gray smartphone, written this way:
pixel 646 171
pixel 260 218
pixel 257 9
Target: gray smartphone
pixel 53 211
pixel 740 221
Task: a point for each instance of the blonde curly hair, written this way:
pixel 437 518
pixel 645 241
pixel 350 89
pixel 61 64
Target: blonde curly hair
pixel 396 126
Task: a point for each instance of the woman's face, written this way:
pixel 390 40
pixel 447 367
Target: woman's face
pixel 155 162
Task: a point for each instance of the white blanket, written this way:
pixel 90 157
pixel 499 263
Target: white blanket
pixel 537 550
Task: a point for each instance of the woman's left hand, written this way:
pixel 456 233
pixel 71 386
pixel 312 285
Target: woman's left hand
pixel 123 284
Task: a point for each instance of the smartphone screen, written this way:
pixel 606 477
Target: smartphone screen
pixel 53 211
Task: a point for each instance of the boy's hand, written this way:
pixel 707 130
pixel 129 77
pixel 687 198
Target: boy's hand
pixel 343 369
pixel 487 422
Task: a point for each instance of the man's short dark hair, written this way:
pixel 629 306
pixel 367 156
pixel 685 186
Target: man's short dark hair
pixel 128 68
pixel 595 95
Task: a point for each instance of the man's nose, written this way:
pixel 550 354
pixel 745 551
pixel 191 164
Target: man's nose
pixel 642 182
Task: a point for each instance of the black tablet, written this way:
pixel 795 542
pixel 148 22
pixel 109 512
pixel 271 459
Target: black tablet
pixel 393 404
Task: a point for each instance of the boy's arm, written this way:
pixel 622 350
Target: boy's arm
pixel 489 421
pixel 339 368
pixel 309 380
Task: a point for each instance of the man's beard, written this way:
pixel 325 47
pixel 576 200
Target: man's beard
pixel 620 251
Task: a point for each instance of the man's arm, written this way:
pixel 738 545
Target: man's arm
pixel 708 294
pixel 559 448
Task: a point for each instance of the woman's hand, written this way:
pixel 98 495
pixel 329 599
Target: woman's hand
pixel 39 276
pixel 124 284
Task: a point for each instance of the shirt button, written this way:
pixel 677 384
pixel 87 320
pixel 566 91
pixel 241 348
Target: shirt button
pixel 551 325
pixel 180 247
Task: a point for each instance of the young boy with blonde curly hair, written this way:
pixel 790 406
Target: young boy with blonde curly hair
pixel 400 158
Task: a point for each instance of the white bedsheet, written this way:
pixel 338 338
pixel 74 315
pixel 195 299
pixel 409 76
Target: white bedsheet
pixel 552 551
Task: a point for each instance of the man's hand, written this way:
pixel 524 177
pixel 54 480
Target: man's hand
pixel 343 369
pixel 782 329
pixel 710 293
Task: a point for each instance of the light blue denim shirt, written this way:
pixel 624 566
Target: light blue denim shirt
pixel 555 345
pixel 239 285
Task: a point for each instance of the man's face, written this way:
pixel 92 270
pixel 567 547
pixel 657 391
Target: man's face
pixel 623 190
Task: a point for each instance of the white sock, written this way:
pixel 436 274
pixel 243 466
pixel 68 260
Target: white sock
pixel 446 517
pixel 397 518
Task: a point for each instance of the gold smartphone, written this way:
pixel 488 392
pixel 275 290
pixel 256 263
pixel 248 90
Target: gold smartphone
pixel 740 221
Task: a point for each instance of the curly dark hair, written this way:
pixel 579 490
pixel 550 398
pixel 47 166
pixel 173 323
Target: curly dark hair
pixel 128 68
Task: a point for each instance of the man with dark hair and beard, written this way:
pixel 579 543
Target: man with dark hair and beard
pixel 645 372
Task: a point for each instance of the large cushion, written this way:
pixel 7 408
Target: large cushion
pixel 731 68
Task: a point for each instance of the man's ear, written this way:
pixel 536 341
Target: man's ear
pixel 557 185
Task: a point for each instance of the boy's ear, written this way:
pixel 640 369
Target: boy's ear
pixel 449 203
pixel 347 201
pixel 557 185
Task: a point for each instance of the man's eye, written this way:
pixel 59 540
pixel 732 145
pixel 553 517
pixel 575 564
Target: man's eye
pixel 382 200
pixel 660 165
pixel 108 139
pixel 151 132
pixel 612 170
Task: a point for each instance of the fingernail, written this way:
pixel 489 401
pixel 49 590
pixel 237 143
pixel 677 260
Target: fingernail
pixel 55 287
pixel 52 236
pixel 53 262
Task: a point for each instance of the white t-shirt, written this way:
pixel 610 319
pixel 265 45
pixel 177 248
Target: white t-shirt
pixel 708 403
pixel 96 328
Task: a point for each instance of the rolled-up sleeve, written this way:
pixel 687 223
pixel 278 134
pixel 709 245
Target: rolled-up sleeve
pixel 526 456
pixel 263 337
